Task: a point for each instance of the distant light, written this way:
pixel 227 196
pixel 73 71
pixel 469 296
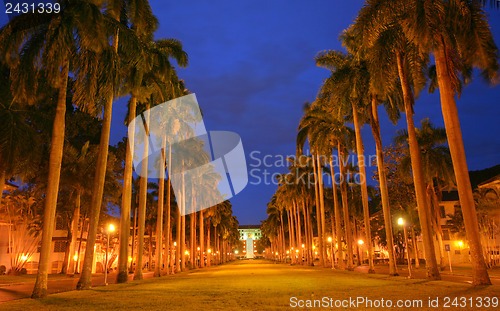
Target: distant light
pixel 129 258
pixel 401 221
pixel 460 243
pixel 315 253
pixel 330 239
pixel 296 250
pixel 198 248
pixel 303 246
pixel 288 252
pixel 111 228
pixel 175 243
pixel 209 251
pixel 236 252
pixel 186 253
pixel 24 257
pixel 75 258
pixel 360 242
pixel 314 247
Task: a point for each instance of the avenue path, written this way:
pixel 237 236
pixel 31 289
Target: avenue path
pixel 262 285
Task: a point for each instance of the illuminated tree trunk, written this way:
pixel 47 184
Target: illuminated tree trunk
pixel 55 160
pixel 85 281
pixel 143 192
pixel 338 226
pixel 455 142
pixel 418 176
pixel 345 207
pixel 126 197
pixel 384 193
pixel 74 230
pixel 364 189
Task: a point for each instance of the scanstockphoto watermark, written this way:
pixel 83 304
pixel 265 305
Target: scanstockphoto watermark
pixel 464 303
pixel 269 169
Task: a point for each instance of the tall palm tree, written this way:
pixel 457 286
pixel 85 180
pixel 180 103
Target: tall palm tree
pixel 386 35
pixel 349 84
pixel 50 42
pixel 458 35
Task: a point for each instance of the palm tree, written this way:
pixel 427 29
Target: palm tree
pixel 410 68
pixel 144 23
pixel 458 35
pixel 383 88
pixel 349 84
pixel 49 42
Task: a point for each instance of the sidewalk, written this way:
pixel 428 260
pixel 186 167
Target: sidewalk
pixel 15 291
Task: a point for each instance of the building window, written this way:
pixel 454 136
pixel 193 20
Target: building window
pixel 59 224
pixel 446 235
pixel 60 247
pixel 443 212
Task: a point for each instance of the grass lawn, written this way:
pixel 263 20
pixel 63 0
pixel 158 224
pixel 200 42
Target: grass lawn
pixel 254 285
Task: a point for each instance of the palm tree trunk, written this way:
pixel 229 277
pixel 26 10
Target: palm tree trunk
pixel 150 249
pixel 318 211
pixel 283 246
pixel 168 233
pixel 78 260
pixel 192 236
pixel 345 208
pixel 319 166
pixel 143 193
pixel 418 176
pixel 415 248
pixel 159 219
pixel 122 276
pixel 134 235
pixel 209 254
pixel 183 227
pixel 55 160
pixel 85 281
pixel 364 189
pixel 432 199
pixel 384 193
pixel 290 231
pixel 74 229
pixel 69 238
pixel 202 240
pixel 332 248
pixel 178 237
pixel 338 226
pixel 358 255
pixel 299 231
pixel 455 141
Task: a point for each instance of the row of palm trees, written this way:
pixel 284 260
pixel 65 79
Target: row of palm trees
pixel 388 62
pixel 87 56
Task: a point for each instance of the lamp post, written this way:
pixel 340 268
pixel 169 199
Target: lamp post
pixel 401 222
pixel 110 229
pixel 331 250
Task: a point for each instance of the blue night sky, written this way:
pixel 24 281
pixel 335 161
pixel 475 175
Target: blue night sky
pixel 252 69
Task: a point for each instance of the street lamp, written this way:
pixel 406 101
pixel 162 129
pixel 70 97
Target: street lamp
pixel 401 222
pixel 331 250
pixel 110 229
